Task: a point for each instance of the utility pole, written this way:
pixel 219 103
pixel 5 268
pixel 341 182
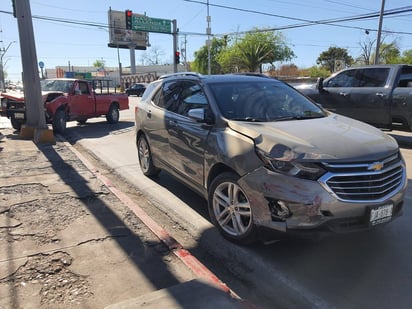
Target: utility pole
pixel 378 40
pixel 208 41
pixel 35 126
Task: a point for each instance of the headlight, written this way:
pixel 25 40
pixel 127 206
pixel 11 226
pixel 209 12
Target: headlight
pixel 306 170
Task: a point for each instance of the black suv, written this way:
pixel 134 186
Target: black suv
pixel 266 157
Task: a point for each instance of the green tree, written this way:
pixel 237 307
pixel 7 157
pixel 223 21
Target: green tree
pixel 407 57
pixel 99 64
pixel 327 59
pixel 389 53
pixel 200 64
pixel 253 50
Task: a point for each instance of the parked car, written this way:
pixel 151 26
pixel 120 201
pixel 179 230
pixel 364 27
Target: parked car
pixel 267 158
pixel 136 89
pixel 380 95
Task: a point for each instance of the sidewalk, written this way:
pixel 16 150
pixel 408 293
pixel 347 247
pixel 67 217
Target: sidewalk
pixel 68 241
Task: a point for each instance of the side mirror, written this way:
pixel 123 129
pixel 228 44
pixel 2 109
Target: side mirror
pixel 319 84
pixel 197 114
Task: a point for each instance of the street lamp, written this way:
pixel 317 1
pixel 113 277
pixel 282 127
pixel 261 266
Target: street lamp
pixel 3 52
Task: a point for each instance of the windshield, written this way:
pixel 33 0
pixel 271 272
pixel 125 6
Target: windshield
pixel 263 101
pixel 56 85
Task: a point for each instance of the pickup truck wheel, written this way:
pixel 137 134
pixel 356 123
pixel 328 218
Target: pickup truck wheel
pixel 59 121
pixel 145 157
pixel 15 124
pixel 230 209
pixel 113 114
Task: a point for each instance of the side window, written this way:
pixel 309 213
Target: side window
pixel 374 77
pixel 349 78
pixel 168 95
pixel 192 97
pixel 83 88
pixel 405 79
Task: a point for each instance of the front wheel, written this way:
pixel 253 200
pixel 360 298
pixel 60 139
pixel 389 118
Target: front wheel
pixel 230 209
pixel 59 121
pixel 145 157
pixel 113 115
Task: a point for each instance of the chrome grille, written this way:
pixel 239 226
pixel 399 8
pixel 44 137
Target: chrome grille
pixel 367 181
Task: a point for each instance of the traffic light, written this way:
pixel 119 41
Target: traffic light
pixel 177 57
pixel 128 15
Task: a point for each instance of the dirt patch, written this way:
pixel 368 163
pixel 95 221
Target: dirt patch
pixel 50 274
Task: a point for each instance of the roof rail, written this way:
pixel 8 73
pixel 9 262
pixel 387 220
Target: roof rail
pixel 252 74
pixel 180 74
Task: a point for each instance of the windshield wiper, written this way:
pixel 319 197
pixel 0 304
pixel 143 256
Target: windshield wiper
pixel 308 115
pixel 250 119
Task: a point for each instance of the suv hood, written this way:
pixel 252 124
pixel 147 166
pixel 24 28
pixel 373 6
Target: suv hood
pixel 333 137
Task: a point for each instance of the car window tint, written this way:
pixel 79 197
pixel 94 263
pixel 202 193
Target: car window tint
pixel 405 79
pixel 349 78
pixel 192 97
pixel 168 95
pixel 374 77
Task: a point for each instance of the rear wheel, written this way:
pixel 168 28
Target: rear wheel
pixel 145 157
pixel 59 121
pixel 230 209
pixel 113 114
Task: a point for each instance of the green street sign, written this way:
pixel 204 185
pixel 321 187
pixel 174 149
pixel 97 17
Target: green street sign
pixel 148 24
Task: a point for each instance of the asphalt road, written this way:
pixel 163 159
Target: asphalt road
pixel 366 270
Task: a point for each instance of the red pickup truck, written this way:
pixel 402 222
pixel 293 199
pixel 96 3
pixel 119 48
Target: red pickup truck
pixel 68 99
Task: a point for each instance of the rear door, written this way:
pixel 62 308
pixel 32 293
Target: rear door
pixel 360 93
pixel 371 99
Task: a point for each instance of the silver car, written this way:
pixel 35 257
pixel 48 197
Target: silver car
pixel 267 158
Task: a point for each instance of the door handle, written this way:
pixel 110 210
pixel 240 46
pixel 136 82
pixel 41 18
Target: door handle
pixel 172 123
pixel 380 94
pixel 343 94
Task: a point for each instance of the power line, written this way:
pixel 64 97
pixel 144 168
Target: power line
pixel 307 22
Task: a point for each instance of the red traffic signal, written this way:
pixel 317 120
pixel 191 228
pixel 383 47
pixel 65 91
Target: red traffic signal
pixel 177 57
pixel 129 16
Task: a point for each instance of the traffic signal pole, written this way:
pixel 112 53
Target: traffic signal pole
pixel 174 33
pixel 35 126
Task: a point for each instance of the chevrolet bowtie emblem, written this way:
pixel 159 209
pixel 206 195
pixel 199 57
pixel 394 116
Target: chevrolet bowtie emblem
pixel 375 166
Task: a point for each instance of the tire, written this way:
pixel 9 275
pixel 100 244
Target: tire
pixel 113 115
pixel 145 157
pixel 230 209
pixel 15 124
pixel 59 121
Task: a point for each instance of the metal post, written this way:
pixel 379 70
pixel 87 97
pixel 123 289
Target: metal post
pixel 378 40
pixel 209 43
pixel 3 52
pixel 132 58
pixel 174 33
pixel 31 81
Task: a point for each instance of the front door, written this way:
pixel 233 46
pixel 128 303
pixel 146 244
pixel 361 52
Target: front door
pixel 81 102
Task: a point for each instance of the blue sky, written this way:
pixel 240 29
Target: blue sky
pixel 60 43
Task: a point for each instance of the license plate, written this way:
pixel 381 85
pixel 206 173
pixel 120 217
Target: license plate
pixel 380 214
pixel 18 116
